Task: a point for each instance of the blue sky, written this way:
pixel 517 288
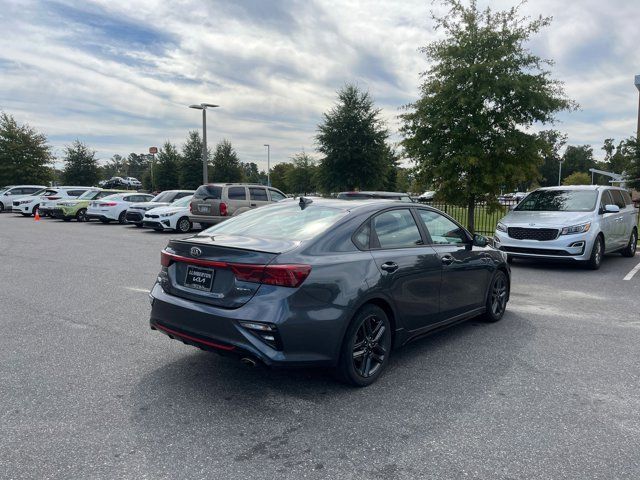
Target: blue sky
pixel 119 75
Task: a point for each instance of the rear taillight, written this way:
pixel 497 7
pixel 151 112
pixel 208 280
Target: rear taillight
pixel 280 275
pixel 107 204
pixel 223 209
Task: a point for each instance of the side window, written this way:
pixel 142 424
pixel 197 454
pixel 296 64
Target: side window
pixel 129 198
pixel 145 198
pixel 606 199
pixel 102 194
pixel 396 229
pixel 237 193
pixel 617 199
pixel 180 195
pixel 258 194
pixel 441 229
pixel 75 193
pixel 276 196
pixel 627 197
pixel 200 192
pixel 362 236
pixel 15 191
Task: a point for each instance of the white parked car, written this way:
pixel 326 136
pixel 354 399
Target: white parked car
pixel 12 192
pixel 132 182
pixel 29 204
pixel 47 204
pixel 427 196
pixel 170 217
pixel 577 223
pixel 135 213
pixel 114 207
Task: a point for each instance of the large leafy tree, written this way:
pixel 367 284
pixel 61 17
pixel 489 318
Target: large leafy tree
pixel 115 167
pixel 138 165
pixel 251 174
pixel 550 168
pixel 578 159
pixel 25 156
pixel 470 129
pixel 190 175
pixel 301 178
pixel 226 165
pixel 633 171
pixel 279 176
pixel 81 166
pixel 166 171
pixel 352 139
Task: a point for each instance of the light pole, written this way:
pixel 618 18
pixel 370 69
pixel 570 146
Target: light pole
pixel 560 172
pixel 637 82
pixel 268 164
pixel 203 107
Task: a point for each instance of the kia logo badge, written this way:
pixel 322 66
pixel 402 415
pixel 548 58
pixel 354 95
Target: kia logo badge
pixel 196 252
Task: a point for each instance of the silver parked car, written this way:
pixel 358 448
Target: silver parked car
pixel 577 223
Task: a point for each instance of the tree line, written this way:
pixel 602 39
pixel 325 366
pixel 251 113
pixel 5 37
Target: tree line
pixel 479 127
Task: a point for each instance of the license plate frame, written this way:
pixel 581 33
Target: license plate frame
pixel 204 209
pixel 199 278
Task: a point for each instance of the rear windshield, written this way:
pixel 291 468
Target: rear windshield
pixel 559 201
pixel 88 195
pixel 115 196
pixel 182 202
pixel 282 222
pixel 208 191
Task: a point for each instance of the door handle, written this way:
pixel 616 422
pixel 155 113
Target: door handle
pixel 447 260
pixel 253 204
pixel 389 267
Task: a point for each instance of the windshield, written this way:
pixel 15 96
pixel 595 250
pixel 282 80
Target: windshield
pixel 282 222
pixel 182 202
pixel 88 195
pixel 163 197
pixel 559 201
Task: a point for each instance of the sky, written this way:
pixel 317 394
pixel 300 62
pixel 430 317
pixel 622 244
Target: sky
pixel 119 74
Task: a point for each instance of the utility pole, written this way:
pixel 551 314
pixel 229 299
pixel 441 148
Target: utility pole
pixel 637 82
pixel 268 164
pixel 203 107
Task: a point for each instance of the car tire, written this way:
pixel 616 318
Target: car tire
pixel 366 347
pixel 1 207
pixel 497 297
pixel 122 217
pixel 630 249
pixel 81 216
pixel 597 252
pixel 34 210
pixel 183 225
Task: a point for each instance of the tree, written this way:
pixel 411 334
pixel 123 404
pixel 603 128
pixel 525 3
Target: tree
pixel 81 166
pixel 352 139
pixel 302 177
pixel 633 171
pixel 404 180
pixel 577 178
pixel 115 167
pixel 279 176
pixel 137 165
pixel 577 159
pixel 251 174
pixel 484 89
pixel 165 173
pixel 554 141
pixel 190 174
pixel 620 161
pixel 25 157
pixel 226 166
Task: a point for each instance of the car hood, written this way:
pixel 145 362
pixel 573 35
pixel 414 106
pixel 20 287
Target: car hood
pixel 545 219
pixel 147 205
pixel 167 209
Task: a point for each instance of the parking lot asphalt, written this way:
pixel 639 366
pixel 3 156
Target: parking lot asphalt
pixel 89 391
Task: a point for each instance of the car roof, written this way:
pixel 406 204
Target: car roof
pixel 373 192
pixel 371 204
pixel 28 186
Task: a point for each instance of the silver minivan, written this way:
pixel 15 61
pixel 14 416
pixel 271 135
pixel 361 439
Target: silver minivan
pixel 215 202
pixel 576 223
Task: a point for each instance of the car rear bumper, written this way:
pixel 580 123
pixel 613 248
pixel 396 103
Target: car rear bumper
pixel 566 247
pixel 219 330
pixel 207 219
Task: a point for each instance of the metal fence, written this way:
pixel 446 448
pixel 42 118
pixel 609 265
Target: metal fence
pixel 486 217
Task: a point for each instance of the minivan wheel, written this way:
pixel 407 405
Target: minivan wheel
pixel 184 225
pixel 630 249
pixel 497 298
pixel 597 251
pixel 366 347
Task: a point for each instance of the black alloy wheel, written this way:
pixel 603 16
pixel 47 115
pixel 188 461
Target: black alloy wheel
pixel 122 218
pixel 81 216
pixel 366 348
pixel 497 298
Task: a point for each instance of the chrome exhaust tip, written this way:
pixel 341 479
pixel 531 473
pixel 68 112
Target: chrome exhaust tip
pixel 249 362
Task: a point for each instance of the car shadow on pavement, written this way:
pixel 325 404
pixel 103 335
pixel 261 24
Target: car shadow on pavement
pixel 610 259
pixel 427 383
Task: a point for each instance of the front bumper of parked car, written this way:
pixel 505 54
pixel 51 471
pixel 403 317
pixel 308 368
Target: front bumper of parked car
pixel 576 247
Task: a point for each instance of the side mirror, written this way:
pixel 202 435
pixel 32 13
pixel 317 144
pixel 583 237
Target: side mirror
pixel 611 209
pixel 480 241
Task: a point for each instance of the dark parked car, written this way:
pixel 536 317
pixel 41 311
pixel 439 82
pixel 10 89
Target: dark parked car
pixel 403 197
pixel 326 283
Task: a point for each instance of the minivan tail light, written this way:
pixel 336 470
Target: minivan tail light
pixel 279 275
pixel 223 209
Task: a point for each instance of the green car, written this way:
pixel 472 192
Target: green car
pixel 77 207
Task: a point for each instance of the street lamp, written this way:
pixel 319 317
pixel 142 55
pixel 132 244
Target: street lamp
pixel 560 172
pixel 637 82
pixel 268 163
pixel 203 107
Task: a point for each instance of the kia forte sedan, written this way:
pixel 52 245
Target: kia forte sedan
pixel 326 283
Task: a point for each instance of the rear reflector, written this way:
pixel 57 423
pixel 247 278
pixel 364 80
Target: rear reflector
pixel 279 275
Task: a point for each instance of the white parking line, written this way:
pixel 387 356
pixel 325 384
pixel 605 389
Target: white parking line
pixel 633 271
pixel 141 290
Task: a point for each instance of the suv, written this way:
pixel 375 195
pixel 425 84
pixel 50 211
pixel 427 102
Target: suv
pixel 133 182
pixel 577 223
pixel 13 192
pixel 77 208
pixel 403 197
pixel 28 205
pixel 47 204
pixel 135 213
pixel 215 202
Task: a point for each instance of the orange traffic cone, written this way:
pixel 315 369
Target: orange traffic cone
pixel 37 215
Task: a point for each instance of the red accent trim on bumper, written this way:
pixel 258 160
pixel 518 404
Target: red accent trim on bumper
pixel 194 339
